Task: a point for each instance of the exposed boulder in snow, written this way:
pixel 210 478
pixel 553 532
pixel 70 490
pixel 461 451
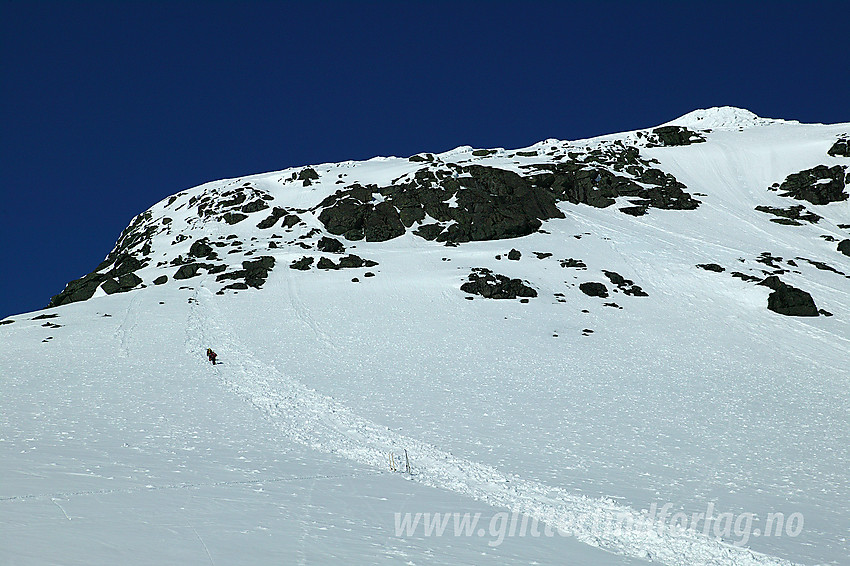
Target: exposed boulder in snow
pixel 269 221
pixel 819 185
pixel 124 283
pixel 255 206
pixel 187 271
pixel 669 136
pixel 594 289
pixel 489 204
pixel 570 262
pixel 354 261
pixel 202 248
pixel 711 267
pixel 790 216
pixel 788 300
pixel 354 215
pixel 330 245
pixel 841 148
pixel 494 286
pixel 627 286
pixel 844 247
pixel 580 182
pixel 308 175
pixel 822 266
pixel 120 277
pixel 302 264
pixel 80 289
pixel 253 273
pixel 348 262
pixel 233 217
pixel 475 203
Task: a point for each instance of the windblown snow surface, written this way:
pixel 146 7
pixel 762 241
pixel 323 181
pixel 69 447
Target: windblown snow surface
pixel 121 444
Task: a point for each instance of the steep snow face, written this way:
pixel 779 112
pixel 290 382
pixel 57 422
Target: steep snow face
pixel 723 118
pixel 575 331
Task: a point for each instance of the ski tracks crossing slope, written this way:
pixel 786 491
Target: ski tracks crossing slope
pixel 307 417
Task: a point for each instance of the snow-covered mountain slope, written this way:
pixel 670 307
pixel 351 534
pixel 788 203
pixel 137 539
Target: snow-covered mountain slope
pixel 575 331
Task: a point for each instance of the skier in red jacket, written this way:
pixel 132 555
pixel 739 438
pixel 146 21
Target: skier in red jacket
pixel 211 355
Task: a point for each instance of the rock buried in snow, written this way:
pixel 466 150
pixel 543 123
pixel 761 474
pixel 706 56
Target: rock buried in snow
pixel 494 286
pixel 788 300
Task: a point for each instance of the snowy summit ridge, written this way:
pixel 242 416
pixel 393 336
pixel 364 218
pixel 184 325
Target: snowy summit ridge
pixel 584 332
pixel 723 117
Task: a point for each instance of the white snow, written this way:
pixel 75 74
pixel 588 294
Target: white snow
pixel 121 444
pixel 723 118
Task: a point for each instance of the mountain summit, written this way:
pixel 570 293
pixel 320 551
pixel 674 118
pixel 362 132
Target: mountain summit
pixel 723 117
pixel 581 332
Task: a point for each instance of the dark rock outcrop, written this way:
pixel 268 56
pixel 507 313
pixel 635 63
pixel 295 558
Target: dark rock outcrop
pixel 491 285
pixel 270 220
pixel 354 261
pixel 819 185
pixel 711 267
pixel 841 148
pixel 187 271
pixel 788 300
pixel 594 289
pixel 80 289
pixel 308 175
pixel 570 262
pixel 124 283
pixel 474 202
pixel 255 206
pixel 302 264
pixel 325 263
pixel 791 215
pixel 668 136
pixel 627 286
pixel 745 277
pixel 844 247
pixel 202 248
pixel 233 217
pixel 330 245
pixel 253 273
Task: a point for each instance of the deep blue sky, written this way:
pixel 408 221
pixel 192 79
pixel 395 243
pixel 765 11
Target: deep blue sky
pixel 109 107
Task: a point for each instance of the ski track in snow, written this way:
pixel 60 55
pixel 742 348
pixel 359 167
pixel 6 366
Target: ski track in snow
pixel 315 420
